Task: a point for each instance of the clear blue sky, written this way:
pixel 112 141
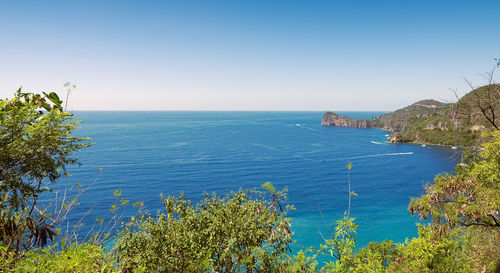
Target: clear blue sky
pixel 247 55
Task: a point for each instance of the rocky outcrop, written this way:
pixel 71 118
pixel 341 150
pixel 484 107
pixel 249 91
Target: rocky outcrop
pixel 332 119
pixel 395 137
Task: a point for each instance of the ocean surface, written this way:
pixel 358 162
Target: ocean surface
pixel 144 154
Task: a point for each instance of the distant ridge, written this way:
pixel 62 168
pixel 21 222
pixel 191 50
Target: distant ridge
pixel 433 122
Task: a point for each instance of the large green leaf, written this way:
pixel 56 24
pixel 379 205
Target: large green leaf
pixel 53 97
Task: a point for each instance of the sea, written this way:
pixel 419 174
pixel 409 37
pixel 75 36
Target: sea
pixel 145 154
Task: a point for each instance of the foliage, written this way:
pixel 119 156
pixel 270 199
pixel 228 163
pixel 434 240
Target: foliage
pixel 439 129
pixel 35 147
pixel 224 234
pixel 342 241
pixel 84 257
pixel 482 104
pixel 467 203
pixel 470 196
pixel 432 253
pixel 404 117
pixel 341 246
pixel 461 250
pixel 374 257
pixel 300 262
pixel 458 124
pixel 482 247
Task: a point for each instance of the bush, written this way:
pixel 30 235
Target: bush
pixel 84 257
pixel 35 146
pixel 235 233
pixel 430 252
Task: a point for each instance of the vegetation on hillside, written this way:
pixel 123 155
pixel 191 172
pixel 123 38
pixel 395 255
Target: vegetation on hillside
pixel 459 124
pixel 432 122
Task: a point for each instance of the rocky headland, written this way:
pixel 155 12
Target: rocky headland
pixel 434 122
pixel 332 119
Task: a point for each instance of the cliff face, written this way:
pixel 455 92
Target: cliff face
pixel 433 122
pixel 332 119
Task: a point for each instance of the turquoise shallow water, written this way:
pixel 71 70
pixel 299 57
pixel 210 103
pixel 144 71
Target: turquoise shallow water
pixel 148 153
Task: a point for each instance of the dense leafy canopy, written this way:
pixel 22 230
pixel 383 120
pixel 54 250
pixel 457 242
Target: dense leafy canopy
pixel 470 196
pixel 35 147
pixel 235 233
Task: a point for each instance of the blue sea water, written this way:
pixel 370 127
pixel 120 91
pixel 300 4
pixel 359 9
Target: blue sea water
pixel 148 153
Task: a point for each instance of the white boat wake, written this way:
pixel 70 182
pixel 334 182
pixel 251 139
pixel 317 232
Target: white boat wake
pixel 353 157
pixel 308 128
pixel 368 156
pixel 377 155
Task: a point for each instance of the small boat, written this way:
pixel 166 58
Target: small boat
pixel 454 147
pixel 423 145
pixel 298 124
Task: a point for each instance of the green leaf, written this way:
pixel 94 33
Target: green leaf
pixel 349 166
pixel 53 97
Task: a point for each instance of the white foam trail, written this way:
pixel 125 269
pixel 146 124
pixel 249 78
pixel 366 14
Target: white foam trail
pixel 379 143
pixel 368 156
pixel 308 128
pixel 354 157
pixel 305 158
pixel 391 154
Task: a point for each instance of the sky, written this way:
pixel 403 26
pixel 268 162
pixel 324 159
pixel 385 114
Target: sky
pixel 247 55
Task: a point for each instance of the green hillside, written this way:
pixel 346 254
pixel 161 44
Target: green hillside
pixel 433 122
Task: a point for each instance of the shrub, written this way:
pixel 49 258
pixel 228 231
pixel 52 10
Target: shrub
pixel 35 146
pixel 235 233
pixel 84 257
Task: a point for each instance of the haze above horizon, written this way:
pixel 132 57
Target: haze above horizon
pixel 247 55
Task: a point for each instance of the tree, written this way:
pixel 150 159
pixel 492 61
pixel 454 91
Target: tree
pixel 241 232
pixel 468 197
pixel 481 106
pixel 430 253
pixel 36 145
pixel 471 195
